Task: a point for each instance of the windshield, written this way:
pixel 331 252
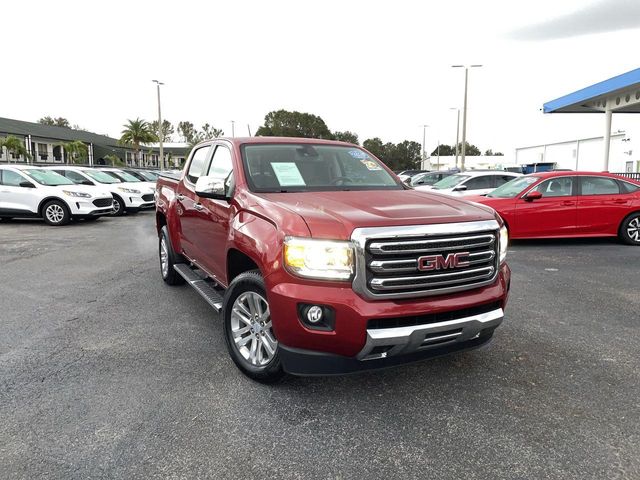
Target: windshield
pixel 47 177
pixel 513 188
pixel 148 176
pixel 101 177
pixel 450 182
pixel 123 176
pixel 307 167
pixel 428 178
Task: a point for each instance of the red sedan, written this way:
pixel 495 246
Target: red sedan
pixel 568 204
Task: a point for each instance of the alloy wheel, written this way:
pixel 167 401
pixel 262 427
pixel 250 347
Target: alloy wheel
pixel 164 258
pixel 54 213
pixel 251 329
pixel 633 229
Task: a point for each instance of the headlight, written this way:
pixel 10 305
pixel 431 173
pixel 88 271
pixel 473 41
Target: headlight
pixel 128 190
pixel 504 241
pixel 76 194
pixel 326 259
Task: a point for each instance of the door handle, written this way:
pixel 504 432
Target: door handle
pixel 198 206
pixel 568 202
pixel 619 201
pixel 180 197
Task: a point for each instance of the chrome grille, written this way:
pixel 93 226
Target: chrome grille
pixel 390 259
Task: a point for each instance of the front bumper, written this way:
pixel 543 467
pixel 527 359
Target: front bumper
pixel 306 362
pixel 84 207
pixel 372 334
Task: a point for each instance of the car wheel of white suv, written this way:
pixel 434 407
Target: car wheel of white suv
pixel 56 213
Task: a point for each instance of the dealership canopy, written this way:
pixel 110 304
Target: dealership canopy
pixel 619 94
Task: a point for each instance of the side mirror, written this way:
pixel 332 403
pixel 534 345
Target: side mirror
pixel 460 188
pixel 210 187
pixel 87 182
pixel 26 184
pixel 533 195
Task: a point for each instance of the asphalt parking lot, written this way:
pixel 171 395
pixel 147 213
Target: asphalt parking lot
pixel 105 372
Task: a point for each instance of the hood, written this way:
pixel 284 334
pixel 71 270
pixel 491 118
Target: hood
pixel 95 191
pixel 336 214
pixel 142 187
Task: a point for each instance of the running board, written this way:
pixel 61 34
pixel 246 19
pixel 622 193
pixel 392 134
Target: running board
pixel 202 286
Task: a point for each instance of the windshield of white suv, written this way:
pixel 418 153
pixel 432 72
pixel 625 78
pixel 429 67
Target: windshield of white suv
pixel 289 167
pixel 101 177
pixel 450 182
pixel 123 176
pixel 513 188
pixel 47 177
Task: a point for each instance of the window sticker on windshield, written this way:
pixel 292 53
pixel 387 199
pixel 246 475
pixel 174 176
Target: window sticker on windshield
pixel 371 165
pixel 359 154
pixel 288 174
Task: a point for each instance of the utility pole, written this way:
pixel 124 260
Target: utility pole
pixel 233 128
pixel 161 162
pixel 464 111
pixel 424 138
pixel 457 133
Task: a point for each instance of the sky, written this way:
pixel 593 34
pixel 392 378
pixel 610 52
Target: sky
pixel 377 68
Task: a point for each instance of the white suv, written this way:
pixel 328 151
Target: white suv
pixel 127 196
pixel 471 182
pixel 36 192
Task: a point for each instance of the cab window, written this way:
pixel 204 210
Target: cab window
pixel 478 183
pixel 12 179
pixel 197 165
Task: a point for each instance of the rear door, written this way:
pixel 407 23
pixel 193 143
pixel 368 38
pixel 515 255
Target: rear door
pixel 479 185
pixel 553 215
pixel 186 200
pixel 602 204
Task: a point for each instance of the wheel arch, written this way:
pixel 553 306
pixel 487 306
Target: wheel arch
pixel 46 200
pixel 626 217
pixel 239 262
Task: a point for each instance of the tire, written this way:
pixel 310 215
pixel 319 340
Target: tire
pixel 168 258
pixel 56 213
pixel 629 232
pixel 118 206
pixel 247 329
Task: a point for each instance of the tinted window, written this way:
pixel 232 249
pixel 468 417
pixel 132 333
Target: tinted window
pixel 12 179
pixel 502 179
pixel 629 187
pixel 599 186
pixel 74 177
pixel 197 165
pixel 556 187
pixel 477 183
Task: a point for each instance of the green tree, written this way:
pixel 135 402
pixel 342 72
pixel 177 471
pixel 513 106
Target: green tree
pixel 445 150
pixel 208 131
pixel 15 147
pixel 490 153
pixel 375 146
pixel 136 132
pixel 55 122
pixel 167 130
pixel 470 150
pixel 346 136
pixel 76 151
pixel 403 156
pixel 188 133
pixel 114 160
pixel 282 123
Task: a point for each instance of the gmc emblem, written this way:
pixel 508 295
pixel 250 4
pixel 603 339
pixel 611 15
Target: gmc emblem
pixel 440 262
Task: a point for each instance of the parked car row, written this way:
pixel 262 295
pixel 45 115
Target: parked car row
pixel 61 193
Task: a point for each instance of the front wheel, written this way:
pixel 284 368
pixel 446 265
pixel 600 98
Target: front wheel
pixel 630 230
pixel 118 206
pixel 248 330
pixel 56 213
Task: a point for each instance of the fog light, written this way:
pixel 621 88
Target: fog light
pixel 314 314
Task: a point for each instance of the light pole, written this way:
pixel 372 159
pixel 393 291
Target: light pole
pixel 233 128
pixel 424 138
pixel 457 133
pixel 158 83
pixel 464 110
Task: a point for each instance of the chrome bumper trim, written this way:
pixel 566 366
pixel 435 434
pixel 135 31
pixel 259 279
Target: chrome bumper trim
pixel 403 340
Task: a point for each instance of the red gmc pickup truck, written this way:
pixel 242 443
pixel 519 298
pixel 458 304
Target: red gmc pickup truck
pixel 321 261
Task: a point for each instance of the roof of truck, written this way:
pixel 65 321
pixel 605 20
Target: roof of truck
pixel 245 140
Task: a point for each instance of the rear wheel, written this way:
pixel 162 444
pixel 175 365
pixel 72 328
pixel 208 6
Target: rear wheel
pixel 56 213
pixel 248 329
pixel 168 258
pixel 630 229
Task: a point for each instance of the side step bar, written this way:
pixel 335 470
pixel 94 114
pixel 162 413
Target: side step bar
pixel 201 285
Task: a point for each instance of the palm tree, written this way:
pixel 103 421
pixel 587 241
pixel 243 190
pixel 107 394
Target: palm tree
pixel 136 132
pixel 14 146
pixel 77 151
